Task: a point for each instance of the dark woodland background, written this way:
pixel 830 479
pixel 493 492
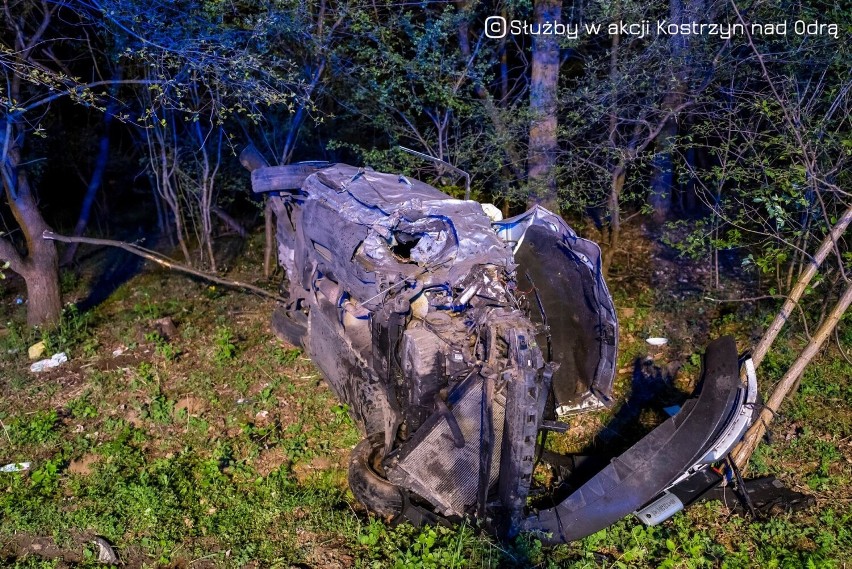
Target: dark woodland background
pixel 125 118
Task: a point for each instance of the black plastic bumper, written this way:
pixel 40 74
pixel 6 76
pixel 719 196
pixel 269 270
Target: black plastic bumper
pixel 651 465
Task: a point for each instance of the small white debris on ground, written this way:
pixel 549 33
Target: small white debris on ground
pixel 106 554
pixel 54 361
pixel 15 467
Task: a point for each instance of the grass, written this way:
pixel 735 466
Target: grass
pixel 221 447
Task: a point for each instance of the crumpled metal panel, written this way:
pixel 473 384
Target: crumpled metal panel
pixel 566 271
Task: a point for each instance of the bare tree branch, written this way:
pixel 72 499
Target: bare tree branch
pixel 164 261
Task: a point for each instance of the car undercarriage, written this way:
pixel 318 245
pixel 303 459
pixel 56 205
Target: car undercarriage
pixel 458 341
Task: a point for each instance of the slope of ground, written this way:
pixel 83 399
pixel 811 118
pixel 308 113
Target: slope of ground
pixel 186 435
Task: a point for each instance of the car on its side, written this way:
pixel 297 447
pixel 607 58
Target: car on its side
pixel 457 339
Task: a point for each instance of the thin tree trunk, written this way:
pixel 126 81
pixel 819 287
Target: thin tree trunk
pixel 662 177
pixel 514 160
pixel 40 267
pixel 544 81
pixel 614 232
pixel 789 382
pixel 269 243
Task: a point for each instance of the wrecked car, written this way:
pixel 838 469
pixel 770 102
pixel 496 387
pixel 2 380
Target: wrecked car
pixel 458 341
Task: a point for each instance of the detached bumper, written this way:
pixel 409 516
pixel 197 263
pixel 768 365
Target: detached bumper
pixel 705 429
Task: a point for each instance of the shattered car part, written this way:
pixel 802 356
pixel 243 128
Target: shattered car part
pixel 456 341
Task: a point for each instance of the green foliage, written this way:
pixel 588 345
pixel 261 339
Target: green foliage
pixel 287 357
pixel 37 428
pixel 82 407
pixel 72 331
pixel 17 339
pixel 224 347
pixel 68 281
pixel 45 478
pixel 162 346
pixel 159 410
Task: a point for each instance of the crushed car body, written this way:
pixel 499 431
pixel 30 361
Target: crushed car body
pixel 457 340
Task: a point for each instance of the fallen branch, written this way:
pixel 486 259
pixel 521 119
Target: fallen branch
pixel 164 261
pixel 789 382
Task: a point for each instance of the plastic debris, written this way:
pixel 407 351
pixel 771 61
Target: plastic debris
pixel 106 554
pixel 657 341
pixel 672 410
pixel 493 213
pixel 118 351
pixel 36 350
pixel 54 361
pixel 15 467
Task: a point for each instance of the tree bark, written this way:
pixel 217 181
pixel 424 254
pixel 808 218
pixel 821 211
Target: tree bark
pixel 40 267
pixel 269 238
pixel 43 293
pixel 789 382
pixel 543 145
pixel 614 230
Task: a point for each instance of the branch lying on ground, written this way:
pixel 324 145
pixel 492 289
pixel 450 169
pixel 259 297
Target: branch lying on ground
pixel 164 261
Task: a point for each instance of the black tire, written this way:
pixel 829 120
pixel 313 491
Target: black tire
pixel 289 326
pixel 371 489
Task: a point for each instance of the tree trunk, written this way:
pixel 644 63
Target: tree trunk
pixel 514 160
pixel 543 146
pixel 40 267
pixel 662 178
pixel 614 232
pixel 44 301
pixel 269 241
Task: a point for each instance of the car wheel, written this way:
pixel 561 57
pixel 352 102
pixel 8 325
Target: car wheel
pixel 369 487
